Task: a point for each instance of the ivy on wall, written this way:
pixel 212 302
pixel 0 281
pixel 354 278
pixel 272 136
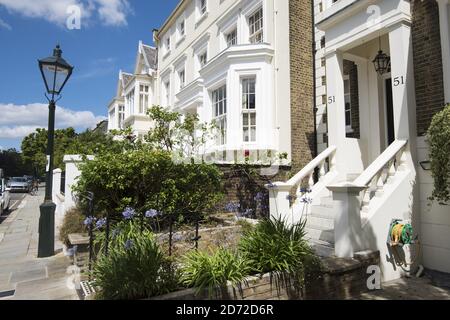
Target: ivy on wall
pixel 439 140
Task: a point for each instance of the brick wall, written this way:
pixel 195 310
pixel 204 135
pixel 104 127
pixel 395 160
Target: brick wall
pixel 302 82
pixel 351 69
pixel 427 62
pixel 342 279
pixel 242 188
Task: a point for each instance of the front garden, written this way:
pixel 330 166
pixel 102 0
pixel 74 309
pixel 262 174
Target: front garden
pixel 148 211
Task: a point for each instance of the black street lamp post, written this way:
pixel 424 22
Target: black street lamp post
pixel 55 72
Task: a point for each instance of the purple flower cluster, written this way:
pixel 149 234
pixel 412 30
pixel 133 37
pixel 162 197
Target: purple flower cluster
pixel 259 197
pixel 152 213
pixel 89 220
pixel 101 223
pixel 232 207
pixel 129 244
pixel 306 200
pixel 128 213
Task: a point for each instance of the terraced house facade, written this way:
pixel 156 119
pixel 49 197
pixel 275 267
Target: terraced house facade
pixel 347 88
pixel 382 71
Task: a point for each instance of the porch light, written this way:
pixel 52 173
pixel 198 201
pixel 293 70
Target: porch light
pixel 382 62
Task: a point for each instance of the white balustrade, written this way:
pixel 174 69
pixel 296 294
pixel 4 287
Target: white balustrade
pixel 279 192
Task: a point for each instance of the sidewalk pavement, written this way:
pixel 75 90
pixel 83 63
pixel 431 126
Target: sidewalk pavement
pixel 22 275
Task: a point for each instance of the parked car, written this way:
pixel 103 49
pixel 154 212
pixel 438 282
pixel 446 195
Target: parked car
pixel 4 194
pixel 19 184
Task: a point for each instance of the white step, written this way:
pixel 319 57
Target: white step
pixel 320 221
pixel 323 211
pixel 322 248
pixel 327 202
pixel 319 233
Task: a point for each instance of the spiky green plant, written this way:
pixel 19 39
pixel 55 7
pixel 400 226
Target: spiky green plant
pixel 212 272
pixel 134 269
pixel 275 247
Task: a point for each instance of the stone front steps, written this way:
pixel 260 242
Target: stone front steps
pixel 320 227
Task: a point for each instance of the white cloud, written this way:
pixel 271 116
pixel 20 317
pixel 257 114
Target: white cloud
pixel 5 25
pixel 110 12
pixel 17 121
pixel 113 12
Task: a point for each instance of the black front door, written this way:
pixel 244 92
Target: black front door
pixel 389 113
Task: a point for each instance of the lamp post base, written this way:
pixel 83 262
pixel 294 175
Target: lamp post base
pixel 46 247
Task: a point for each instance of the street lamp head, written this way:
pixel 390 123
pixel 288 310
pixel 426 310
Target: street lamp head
pixel 55 72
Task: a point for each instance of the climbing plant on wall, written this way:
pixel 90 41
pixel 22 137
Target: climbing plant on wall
pixel 439 140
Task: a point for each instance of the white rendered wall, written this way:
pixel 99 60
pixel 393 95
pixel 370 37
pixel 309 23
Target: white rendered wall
pixel 435 219
pixel 271 68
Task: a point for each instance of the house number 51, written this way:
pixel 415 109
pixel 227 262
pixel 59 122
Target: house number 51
pixel 331 99
pixel 399 81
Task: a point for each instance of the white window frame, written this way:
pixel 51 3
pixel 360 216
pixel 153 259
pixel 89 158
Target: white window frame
pixel 202 7
pixel 130 99
pixel 112 115
pixel 203 53
pixel 181 32
pixel 121 116
pixel 247 111
pixel 201 11
pixel 227 35
pixel 219 113
pixel 348 99
pixel 252 36
pixel 167 95
pixel 144 98
pixel 181 78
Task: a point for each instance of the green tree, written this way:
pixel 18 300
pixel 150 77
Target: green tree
pixel 67 141
pixel 12 163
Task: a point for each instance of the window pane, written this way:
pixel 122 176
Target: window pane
pixel 246 135
pixel 253 119
pixel 346 86
pixel 253 134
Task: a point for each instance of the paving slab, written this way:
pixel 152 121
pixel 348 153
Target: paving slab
pixel 408 289
pixel 20 270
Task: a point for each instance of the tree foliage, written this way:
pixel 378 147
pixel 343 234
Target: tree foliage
pixel 67 141
pixel 12 163
pixel 439 140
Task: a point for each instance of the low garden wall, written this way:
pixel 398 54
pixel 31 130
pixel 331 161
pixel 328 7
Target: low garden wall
pixel 342 279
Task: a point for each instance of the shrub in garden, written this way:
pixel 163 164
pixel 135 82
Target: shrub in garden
pixel 439 139
pixel 135 267
pixel 277 248
pixel 72 223
pixel 211 272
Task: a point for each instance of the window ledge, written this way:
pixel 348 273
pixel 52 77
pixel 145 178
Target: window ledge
pixel 200 19
pixel 179 41
pixel 167 54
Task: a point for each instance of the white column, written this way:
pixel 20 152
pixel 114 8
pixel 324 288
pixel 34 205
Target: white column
pixel 347 220
pixel 445 44
pixel 56 183
pixel 279 200
pixel 403 87
pixel 336 106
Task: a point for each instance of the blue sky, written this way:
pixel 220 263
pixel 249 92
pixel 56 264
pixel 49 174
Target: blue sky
pixel 107 42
